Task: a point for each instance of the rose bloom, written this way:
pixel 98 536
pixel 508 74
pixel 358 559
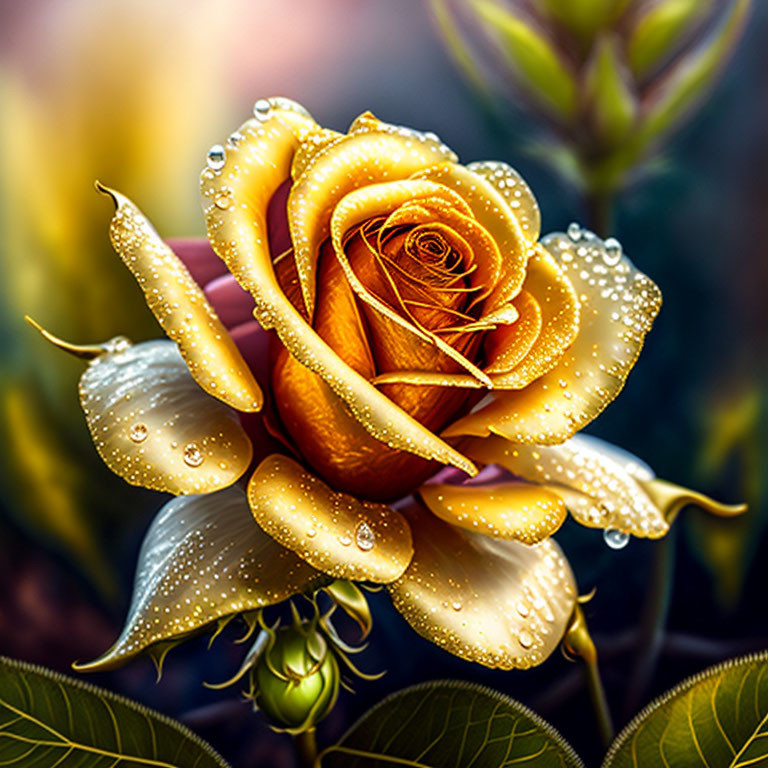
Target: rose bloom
pixel 375 339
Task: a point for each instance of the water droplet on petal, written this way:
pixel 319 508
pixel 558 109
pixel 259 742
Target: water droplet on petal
pixel 522 609
pixel 223 199
pixel 138 433
pixel 526 639
pixel 365 538
pixel 193 456
pixel 311 533
pixel 345 541
pixel 456 605
pixel 615 539
pixel 613 252
pixel 217 157
pixel 262 109
pixel 574 231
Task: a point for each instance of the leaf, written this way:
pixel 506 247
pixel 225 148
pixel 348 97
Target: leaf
pixel 586 16
pixel 450 724
pixel 203 560
pixel 716 718
pixel 49 720
pixel 537 63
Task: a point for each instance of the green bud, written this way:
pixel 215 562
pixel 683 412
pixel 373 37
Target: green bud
pixel 296 678
pixel 585 16
pixel 535 61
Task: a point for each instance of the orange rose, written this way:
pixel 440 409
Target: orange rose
pixel 415 322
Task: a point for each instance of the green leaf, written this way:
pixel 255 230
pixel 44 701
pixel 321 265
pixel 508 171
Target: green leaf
pixel 716 718
pixel 687 82
pixel 610 93
pixel 49 720
pixel 537 64
pixel 656 33
pixel 450 724
pixel 586 16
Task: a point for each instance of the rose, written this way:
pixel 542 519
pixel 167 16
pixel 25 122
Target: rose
pixel 415 321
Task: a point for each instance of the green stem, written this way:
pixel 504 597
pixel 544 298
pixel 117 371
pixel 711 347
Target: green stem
pixel 653 622
pixel 599 701
pixel 578 642
pixel 599 206
pixel 306 748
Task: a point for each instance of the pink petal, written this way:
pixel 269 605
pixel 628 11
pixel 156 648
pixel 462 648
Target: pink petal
pixel 277 220
pixel 233 304
pixel 198 257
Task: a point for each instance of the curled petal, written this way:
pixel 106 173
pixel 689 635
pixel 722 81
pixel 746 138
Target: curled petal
pixel 514 189
pixel 495 217
pixel 202 560
pixel 334 532
pixel 525 513
pixel 618 306
pixel 155 427
pixel 236 199
pixel 362 204
pixel 181 308
pixel 603 487
pixel 361 158
pixel 505 347
pixel 498 603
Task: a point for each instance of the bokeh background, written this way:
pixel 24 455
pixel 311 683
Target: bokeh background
pixel 133 94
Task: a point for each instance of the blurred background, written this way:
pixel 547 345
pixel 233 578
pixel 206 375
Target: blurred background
pixel 647 127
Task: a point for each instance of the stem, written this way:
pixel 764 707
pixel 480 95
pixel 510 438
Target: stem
pixel 306 748
pixel 652 622
pixel 599 204
pixel 578 642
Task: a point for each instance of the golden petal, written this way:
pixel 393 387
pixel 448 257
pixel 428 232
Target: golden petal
pixel 499 603
pixel 494 215
pixel 360 159
pixel 373 200
pixel 618 306
pixel 155 427
pixel 203 559
pixel 513 188
pixel 181 308
pixel 334 532
pixel 602 486
pixel 253 170
pixel 548 284
pixel 313 145
pixel 507 346
pixel 519 511
pixel 367 122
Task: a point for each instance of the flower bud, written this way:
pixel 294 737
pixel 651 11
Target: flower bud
pixel 296 679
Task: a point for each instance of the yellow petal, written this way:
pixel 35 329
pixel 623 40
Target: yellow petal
pixel 493 214
pixel 202 560
pixel 313 145
pixel 181 308
pixel 373 200
pixel 155 427
pixel 513 188
pixel 618 306
pixel 526 513
pixel 357 160
pixel 498 603
pixel 507 346
pixel 602 486
pixel 334 532
pixel 254 168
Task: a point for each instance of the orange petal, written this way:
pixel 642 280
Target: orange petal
pixel 601 485
pixel 236 196
pixel 237 569
pixel 334 532
pixel 498 603
pixel 525 513
pixel 505 347
pixel 365 203
pixel 513 188
pixel 155 427
pixel 355 161
pixel 493 214
pixel 181 308
pixel 618 306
